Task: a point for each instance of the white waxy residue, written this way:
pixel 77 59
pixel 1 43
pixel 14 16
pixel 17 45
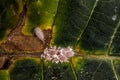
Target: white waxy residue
pixel 58 54
pixel 39 33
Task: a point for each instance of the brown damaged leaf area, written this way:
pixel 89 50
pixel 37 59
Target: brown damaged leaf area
pixel 2 61
pixel 5 62
pixel 23 43
pixel 16 41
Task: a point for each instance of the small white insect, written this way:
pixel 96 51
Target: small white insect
pixel 57 55
pixel 114 17
pixel 39 33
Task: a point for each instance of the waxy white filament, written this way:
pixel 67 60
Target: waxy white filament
pixel 39 33
pixel 57 55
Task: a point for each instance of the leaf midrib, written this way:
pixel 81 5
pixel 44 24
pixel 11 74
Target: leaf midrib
pixel 38 55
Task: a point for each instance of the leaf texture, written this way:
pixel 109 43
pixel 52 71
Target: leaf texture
pixel 90 27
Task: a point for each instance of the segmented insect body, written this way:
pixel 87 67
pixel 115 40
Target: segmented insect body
pixel 39 33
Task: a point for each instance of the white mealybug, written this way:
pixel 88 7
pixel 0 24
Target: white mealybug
pixel 57 55
pixel 39 33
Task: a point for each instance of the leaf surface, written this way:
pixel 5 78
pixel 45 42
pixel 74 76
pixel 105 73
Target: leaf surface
pixel 90 27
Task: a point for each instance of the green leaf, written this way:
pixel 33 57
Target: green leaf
pixel 71 21
pixel 4 75
pixel 41 14
pixel 116 65
pixel 9 13
pixel 90 27
pixel 26 69
pixel 93 69
pixel 60 71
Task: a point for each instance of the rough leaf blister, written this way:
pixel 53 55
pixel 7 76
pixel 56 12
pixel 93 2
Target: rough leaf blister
pixel 58 54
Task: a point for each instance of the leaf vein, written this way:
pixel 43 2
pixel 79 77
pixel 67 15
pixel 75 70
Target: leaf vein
pixel 112 38
pixel 86 25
